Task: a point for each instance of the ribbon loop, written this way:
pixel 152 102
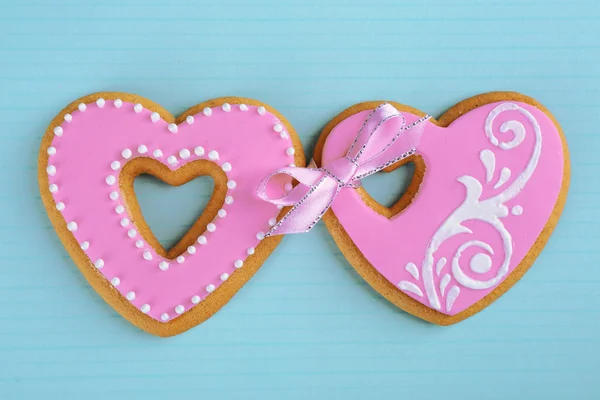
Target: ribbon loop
pixel 383 140
pixel 369 142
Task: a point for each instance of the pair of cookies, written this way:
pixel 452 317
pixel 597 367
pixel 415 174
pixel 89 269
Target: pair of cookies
pixel 490 183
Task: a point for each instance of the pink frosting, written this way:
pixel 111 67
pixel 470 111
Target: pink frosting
pixel 97 137
pixel 453 245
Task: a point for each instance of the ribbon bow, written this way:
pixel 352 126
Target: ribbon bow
pixel 370 152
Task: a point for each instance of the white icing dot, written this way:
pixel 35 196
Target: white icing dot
pixel 138 108
pixel 115 281
pixel 173 128
pixel 147 255
pixel 68 117
pixel 226 167
pixel 82 107
pixel 119 209
pixel 60 206
pixel 283 135
pixel 84 246
pixel 210 288
pixel 115 165
pixel 480 263
pixel 211 227
pixel 202 240
pixel 292 165
pixel 99 263
pixel 51 151
pixel 163 265
pixel 207 111
pixel 260 235
pixel 142 149
pixel 279 206
pixel 229 200
pixel 58 131
pixel 222 213
pixel 290 151
pixel 191 250
pixel 189 119
pixel 130 296
pixel 100 102
pixel 72 226
pixel 118 103
pixel 250 251
pixel 238 264
pixel 243 107
pixel 261 110
pixel 226 107
pixel 139 244
pixel 114 195
pixel 164 316
pixel 157 153
pixel 145 308
pixel 184 154
pixel 199 151
pixel 277 127
pixel 272 221
pixel 51 170
pixel 111 180
pixel 213 155
pixel 181 259
pixel 126 153
pixel 179 309
pixel 172 160
pixel 287 187
pixel 231 184
pixel 196 299
pixel 124 222
pixel 155 117
pixel 131 233
pixel 517 210
pixel 224 276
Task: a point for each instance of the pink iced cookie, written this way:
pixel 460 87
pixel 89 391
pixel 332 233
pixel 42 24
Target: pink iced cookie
pixel 490 184
pixel 88 159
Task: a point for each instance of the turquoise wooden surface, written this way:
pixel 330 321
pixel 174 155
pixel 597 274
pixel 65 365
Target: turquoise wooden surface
pixel 306 326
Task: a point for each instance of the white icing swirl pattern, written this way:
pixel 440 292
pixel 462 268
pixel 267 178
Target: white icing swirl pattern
pixel 489 211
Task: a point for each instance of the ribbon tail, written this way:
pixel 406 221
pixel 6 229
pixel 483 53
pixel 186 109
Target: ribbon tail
pixel 403 146
pixel 309 209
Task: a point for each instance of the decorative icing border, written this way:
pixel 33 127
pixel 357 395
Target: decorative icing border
pixel 230 283
pixel 394 293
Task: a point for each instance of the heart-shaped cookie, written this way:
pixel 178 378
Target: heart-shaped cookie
pixel 88 159
pixel 490 183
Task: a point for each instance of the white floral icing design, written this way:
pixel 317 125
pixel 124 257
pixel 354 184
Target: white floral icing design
pixel 490 211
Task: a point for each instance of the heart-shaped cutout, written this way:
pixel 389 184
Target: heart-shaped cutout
pixel 399 193
pixel 490 183
pixel 178 177
pixel 88 160
pixel 154 196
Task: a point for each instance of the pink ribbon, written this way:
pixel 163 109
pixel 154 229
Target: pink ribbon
pixel 370 152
